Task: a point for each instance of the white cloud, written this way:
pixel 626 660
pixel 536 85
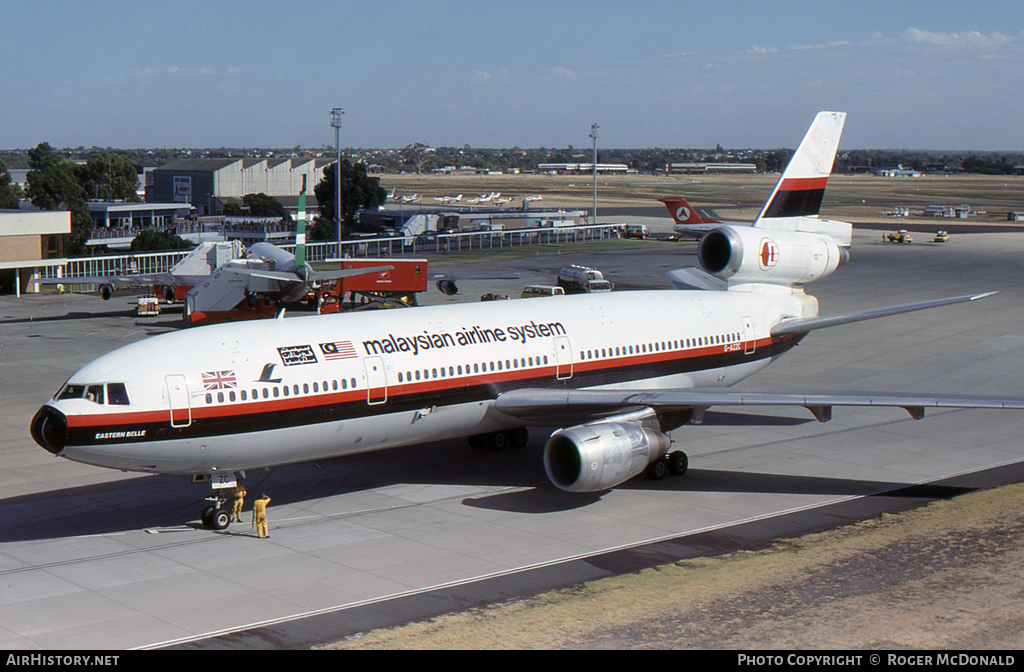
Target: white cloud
pixel 971 38
pixel 827 45
pixel 174 71
pixel 190 72
pixel 484 77
pixel 563 73
pixel 754 49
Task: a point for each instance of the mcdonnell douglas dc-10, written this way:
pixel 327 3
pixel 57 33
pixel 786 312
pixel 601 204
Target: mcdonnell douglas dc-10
pixel 614 372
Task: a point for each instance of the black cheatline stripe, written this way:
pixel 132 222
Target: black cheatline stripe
pixel 796 203
pixel 445 396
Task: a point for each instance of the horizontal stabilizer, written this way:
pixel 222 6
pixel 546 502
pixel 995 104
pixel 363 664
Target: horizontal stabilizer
pixel 692 278
pixel 803 325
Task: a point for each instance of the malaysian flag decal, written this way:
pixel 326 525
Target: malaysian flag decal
pixel 338 350
pixel 218 380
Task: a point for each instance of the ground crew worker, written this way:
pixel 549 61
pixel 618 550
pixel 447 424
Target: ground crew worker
pixel 238 493
pixel 259 516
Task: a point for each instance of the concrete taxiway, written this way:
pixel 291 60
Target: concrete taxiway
pixel 96 559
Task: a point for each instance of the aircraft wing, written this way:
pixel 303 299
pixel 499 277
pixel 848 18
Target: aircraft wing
pixel 129 279
pixel 572 406
pixel 291 276
pixel 558 406
pixel 347 273
pixel 803 325
pixel 483 275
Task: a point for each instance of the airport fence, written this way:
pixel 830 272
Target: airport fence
pixel 442 243
pixel 451 243
pixel 115 264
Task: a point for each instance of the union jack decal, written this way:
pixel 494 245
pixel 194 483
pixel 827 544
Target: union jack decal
pixel 219 380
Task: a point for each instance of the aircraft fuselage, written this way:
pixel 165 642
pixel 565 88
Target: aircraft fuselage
pixel 232 397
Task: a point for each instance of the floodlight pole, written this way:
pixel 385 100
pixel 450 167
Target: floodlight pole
pixel 593 134
pixel 336 125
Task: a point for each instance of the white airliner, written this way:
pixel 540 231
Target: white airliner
pixel 613 371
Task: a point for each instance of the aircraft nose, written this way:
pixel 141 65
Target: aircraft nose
pixel 50 429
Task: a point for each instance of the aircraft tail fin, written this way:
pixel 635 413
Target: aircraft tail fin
pixel 800 190
pixel 300 228
pixel 682 212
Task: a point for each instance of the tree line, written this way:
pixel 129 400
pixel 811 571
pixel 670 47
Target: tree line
pixel 54 182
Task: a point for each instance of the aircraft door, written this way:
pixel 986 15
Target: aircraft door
pixel 376 381
pixel 177 394
pixel 563 358
pixel 749 342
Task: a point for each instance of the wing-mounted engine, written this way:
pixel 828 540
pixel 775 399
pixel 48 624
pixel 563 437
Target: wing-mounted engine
pixel 758 256
pixel 600 455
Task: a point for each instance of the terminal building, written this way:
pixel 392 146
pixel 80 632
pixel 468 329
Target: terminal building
pixel 571 168
pixel 30 240
pixel 207 184
pixel 706 168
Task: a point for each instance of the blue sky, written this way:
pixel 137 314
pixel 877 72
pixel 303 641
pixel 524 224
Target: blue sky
pixel 910 74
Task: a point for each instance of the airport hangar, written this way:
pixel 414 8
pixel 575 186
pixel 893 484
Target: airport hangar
pixel 208 184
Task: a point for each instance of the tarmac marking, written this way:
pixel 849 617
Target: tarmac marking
pixel 215 536
pixel 548 563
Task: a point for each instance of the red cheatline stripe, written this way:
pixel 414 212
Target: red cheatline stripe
pixel 803 183
pixel 306 401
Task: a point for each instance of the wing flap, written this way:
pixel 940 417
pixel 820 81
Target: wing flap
pixel 347 273
pixel 530 404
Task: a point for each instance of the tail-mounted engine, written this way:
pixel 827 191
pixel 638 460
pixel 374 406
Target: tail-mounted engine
pixel 600 455
pixel 750 255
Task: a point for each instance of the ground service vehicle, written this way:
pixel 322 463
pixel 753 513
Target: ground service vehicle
pixel 900 236
pixel 577 279
pixel 638 231
pixel 531 291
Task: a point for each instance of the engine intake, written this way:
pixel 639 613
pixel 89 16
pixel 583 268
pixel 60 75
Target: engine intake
pixel 749 255
pixel 447 287
pixel 598 456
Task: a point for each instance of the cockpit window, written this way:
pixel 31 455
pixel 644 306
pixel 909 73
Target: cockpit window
pixel 94 393
pixel 117 394
pixel 72 392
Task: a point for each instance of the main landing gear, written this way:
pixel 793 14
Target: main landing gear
pixel 675 463
pixel 510 438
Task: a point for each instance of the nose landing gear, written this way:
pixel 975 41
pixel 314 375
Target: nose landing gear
pixel 215 516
